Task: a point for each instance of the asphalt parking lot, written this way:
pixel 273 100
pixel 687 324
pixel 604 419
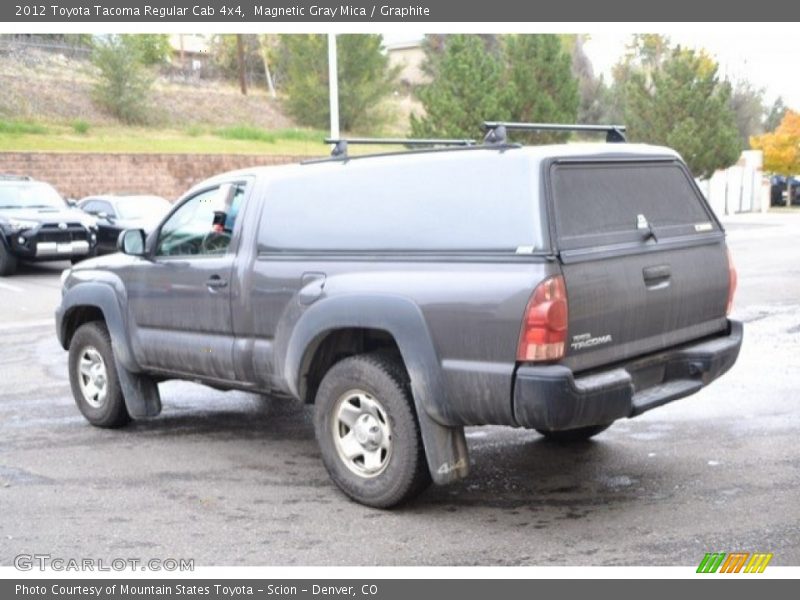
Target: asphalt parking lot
pixel 235 479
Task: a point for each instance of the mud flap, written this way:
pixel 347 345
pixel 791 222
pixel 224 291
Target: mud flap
pixel 140 392
pixel 445 449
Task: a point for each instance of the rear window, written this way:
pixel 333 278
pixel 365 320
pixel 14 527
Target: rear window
pixel 616 202
pixel 470 201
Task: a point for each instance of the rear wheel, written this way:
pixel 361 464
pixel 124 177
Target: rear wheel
pixel 368 432
pixel 574 435
pixel 8 262
pixel 93 377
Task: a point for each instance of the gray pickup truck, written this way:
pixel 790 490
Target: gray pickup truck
pixel 410 294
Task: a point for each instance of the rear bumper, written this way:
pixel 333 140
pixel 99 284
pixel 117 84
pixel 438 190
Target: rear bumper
pixel 553 398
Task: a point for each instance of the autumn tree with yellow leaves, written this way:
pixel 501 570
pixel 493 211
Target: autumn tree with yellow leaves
pixel 781 147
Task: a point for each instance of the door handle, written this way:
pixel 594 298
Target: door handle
pixel 215 282
pixel 655 273
pixel 657 278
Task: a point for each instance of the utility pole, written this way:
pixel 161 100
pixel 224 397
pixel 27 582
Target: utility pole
pixel 333 85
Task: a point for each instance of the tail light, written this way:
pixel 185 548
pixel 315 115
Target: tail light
pixel 544 327
pixel 733 279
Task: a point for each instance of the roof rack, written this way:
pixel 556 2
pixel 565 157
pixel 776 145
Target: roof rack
pixel 497 131
pixel 340 145
pixel 5 177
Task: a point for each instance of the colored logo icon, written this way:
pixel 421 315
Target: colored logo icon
pixel 734 562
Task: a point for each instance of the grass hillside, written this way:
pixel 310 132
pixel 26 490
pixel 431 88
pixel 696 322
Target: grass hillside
pixel 46 105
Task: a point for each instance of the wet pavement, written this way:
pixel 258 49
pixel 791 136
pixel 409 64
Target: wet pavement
pixel 236 479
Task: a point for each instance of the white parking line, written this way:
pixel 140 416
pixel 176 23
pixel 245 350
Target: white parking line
pixel 10 288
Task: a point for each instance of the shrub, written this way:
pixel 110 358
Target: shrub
pixel 21 127
pixel 80 126
pixel 123 83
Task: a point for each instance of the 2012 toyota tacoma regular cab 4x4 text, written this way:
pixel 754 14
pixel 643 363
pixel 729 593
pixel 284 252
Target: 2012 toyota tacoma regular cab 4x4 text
pixel 410 294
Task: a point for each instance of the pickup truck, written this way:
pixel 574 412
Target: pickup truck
pixel 410 294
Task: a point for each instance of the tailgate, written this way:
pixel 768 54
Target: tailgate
pixel 644 260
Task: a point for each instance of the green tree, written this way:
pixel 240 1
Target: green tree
pixel 539 86
pixel 464 89
pixel 675 98
pixel 479 78
pixel 225 56
pixel 152 48
pixel 747 104
pixel 365 80
pixel 434 44
pixel 643 55
pixel 774 115
pixel 122 84
pixel 592 90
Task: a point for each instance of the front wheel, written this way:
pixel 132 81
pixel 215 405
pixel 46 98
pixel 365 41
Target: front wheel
pixel 568 436
pixel 368 433
pixel 93 377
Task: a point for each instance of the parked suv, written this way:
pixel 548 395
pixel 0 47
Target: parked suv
pixel 36 224
pixel 408 295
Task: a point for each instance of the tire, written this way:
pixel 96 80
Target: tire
pixel 569 436
pixel 8 262
pixel 93 377
pixel 382 462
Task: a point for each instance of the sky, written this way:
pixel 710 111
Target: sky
pixel 766 58
pixel 767 61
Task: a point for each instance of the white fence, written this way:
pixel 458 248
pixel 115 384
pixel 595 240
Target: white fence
pixel 740 188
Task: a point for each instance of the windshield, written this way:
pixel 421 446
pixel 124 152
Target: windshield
pixel 29 195
pixel 143 207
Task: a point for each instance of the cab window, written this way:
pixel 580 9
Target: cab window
pixel 203 225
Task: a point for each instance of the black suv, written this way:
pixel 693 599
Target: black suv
pixel 36 224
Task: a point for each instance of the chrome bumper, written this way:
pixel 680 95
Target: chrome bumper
pixel 62 248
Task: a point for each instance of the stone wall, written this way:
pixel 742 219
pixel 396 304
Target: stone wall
pixel 76 175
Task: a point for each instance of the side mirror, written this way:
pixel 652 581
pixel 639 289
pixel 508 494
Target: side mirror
pixel 131 241
pixel 71 203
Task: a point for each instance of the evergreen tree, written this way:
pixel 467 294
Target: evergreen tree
pixel 365 79
pixel 475 79
pixel 675 98
pixel 464 89
pixel 539 85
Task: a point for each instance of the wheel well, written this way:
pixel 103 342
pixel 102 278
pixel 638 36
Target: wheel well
pixel 77 317
pixel 336 345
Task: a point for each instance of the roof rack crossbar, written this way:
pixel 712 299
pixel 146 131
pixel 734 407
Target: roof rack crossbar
pixel 497 131
pixel 340 145
pixel 10 177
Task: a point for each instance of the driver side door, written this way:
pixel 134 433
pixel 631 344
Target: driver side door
pixel 180 298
